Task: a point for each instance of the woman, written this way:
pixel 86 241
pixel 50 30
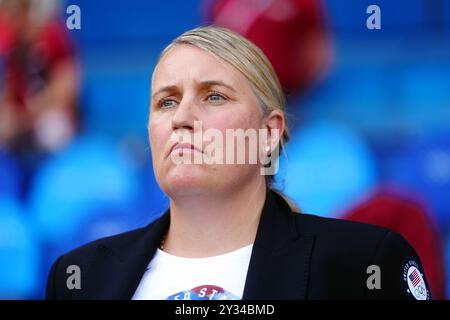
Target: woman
pixel 227 233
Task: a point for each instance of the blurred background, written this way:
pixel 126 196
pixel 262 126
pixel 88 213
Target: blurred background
pixel 369 111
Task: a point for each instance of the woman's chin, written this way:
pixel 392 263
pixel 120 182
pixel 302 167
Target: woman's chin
pixel 186 179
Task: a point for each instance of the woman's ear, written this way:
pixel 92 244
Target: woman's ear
pixel 275 124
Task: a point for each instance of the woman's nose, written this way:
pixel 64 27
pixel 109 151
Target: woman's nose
pixel 184 115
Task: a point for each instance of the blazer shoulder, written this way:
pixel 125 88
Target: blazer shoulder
pixel 355 249
pixel 339 228
pixel 118 240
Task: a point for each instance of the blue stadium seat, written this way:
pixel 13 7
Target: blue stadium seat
pixel 326 168
pixel 19 252
pixel 92 172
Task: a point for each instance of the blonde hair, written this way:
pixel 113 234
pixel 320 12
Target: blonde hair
pixel 247 58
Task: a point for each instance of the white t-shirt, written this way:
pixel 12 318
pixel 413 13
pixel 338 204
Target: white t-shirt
pixel 170 277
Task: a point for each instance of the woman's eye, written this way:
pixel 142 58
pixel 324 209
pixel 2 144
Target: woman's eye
pixel 215 98
pixel 167 103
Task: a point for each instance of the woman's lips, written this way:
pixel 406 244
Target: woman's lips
pixel 182 148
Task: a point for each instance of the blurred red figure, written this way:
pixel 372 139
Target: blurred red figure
pixel 387 209
pixel 40 85
pixel 292 33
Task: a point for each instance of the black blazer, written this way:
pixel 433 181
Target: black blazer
pixel 295 256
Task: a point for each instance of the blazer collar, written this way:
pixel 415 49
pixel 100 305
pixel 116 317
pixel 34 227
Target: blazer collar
pixel 278 269
pixel 279 264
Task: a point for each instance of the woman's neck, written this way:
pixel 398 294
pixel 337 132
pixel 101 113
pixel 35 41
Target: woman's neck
pixel 203 226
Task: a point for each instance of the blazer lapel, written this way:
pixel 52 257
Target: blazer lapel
pixel 279 264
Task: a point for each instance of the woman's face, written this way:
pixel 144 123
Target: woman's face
pixel 192 85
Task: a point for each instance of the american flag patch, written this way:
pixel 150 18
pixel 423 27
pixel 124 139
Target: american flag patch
pixel 414 277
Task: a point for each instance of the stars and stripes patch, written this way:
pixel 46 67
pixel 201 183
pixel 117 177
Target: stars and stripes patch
pixel 414 277
pixel 414 281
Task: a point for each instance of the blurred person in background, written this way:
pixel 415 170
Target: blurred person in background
pixel 293 34
pixel 228 234
pixel 38 98
pixel 41 77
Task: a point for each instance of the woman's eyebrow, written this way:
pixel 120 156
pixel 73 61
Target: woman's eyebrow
pixel 202 84
pixel 211 83
pixel 169 88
